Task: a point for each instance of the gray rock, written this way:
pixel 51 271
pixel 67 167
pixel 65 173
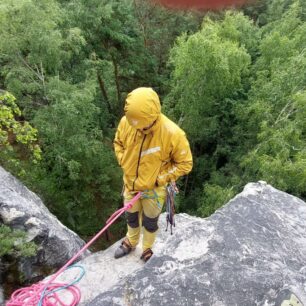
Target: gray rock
pixel 1 296
pixel 22 209
pixel 250 252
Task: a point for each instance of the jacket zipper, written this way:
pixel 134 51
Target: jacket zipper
pixel 139 156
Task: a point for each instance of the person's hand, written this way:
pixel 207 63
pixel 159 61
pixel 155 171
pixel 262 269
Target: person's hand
pixel 174 187
pixel 160 181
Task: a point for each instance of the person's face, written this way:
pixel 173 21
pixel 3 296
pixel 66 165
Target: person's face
pixel 147 127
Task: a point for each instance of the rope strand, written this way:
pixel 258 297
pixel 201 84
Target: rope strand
pixel 45 293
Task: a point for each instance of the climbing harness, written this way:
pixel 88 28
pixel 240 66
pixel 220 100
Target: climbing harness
pixel 152 194
pixel 45 293
pixel 172 191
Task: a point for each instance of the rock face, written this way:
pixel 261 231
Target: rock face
pixel 1 296
pixel 22 209
pixel 250 252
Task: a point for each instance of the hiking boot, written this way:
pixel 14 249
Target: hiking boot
pixel 124 249
pixel 146 255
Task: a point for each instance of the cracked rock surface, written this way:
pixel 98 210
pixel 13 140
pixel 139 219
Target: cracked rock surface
pixel 22 209
pixel 250 252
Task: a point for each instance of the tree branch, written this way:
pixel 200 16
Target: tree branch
pixel 104 93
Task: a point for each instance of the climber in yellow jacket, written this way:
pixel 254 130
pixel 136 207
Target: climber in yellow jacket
pixel 152 152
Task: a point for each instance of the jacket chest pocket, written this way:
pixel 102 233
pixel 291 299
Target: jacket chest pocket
pixel 151 156
pixel 152 152
pixel 150 165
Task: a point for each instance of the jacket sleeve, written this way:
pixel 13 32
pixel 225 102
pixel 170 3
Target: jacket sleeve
pixel 180 161
pixel 118 141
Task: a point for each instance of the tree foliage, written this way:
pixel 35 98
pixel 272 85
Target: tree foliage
pixel 17 137
pixel 14 242
pixel 276 105
pixel 70 64
pixel 239 90
pixel 78 173
pixel 234 80
pixel 210 78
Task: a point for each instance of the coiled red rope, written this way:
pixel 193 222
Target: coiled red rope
pixel 45 293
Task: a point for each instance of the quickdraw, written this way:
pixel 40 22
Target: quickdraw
pixel 172 191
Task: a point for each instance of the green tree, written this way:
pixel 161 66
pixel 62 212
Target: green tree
pixel 209 81
pixel 211 198
pixel 14 242
pixel 30 49
pixel 248 127
pixel 159 28
pixel 78 175
pixel 18 142
pixel 71 64
pixel 276 106
pixel 18 139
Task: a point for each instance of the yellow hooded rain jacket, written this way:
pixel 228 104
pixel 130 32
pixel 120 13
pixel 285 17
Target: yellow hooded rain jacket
pixel 152 157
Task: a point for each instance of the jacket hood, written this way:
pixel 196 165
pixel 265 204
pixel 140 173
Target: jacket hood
pixel 142 107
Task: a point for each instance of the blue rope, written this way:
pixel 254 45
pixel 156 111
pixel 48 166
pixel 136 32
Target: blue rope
pixel 145 195
pixel 44 293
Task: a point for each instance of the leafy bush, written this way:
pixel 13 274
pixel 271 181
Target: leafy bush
pixel 18 139
pixel 212 198
pixel 14 242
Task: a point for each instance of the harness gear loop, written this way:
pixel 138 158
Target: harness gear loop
pixel 172 191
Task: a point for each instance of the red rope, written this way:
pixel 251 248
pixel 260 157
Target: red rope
pixel 43 293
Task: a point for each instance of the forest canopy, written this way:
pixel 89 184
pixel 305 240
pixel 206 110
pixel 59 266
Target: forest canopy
pixel 234 80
